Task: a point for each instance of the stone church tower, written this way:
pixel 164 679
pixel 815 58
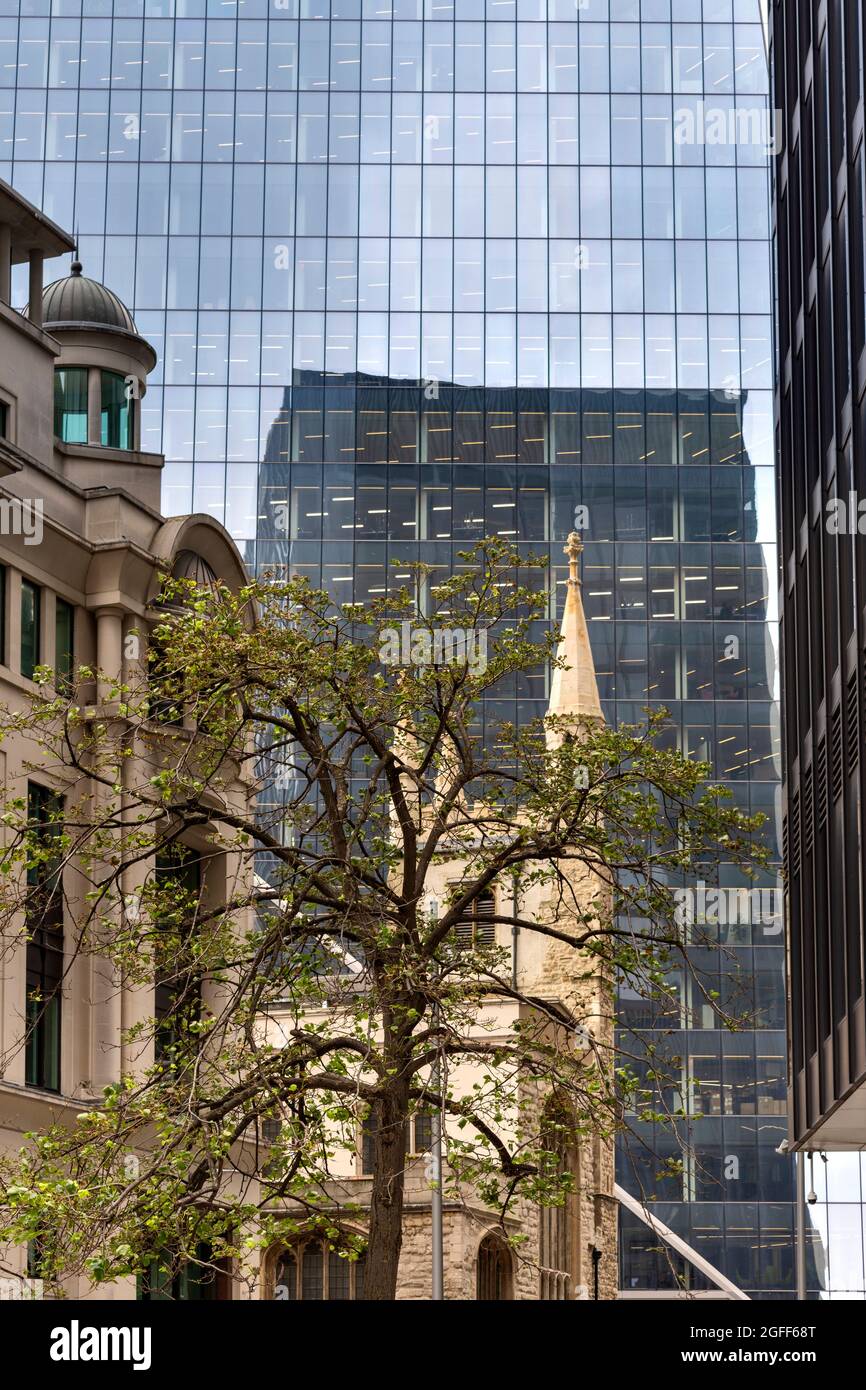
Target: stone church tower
pixel 585 1231
pixel 570 1251
pixel 576 1245
pixel 566 1252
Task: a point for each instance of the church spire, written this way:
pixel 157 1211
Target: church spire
pixel 574 690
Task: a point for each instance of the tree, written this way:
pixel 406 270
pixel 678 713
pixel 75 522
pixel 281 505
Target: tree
pixel 373 786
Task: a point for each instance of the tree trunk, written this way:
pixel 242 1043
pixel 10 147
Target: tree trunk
pixel 386 1202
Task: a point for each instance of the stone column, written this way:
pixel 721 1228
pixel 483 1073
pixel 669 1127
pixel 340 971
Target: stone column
pixel 106 986
pixel 13 984
pixel 94 406
pixel 109 651
pixel 5 263
pixel 135 406
pixel 34 311
pixel 137 1004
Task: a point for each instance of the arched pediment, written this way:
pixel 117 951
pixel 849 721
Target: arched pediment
pixel 198 536
pixel 123 575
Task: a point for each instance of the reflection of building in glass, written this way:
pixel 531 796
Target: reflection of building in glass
pixel 678 550
pixel 323 213
pixel 685 623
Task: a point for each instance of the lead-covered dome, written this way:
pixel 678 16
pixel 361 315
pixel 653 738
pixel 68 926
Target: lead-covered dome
pixel 79 302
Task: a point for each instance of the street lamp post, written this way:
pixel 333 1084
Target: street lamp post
pixel 438 1293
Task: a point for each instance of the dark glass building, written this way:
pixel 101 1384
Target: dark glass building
pixel 421 271
pixel 818 53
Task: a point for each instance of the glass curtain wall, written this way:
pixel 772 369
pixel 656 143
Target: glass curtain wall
pixel 420 271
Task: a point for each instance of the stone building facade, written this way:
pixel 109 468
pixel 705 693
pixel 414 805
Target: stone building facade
pixel 82 546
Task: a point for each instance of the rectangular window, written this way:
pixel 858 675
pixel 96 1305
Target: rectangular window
pixel 44 885
pixel 475 927
pixel 166 689
pixel 177 994
pixel 44 975
pixel 44 915
pixel 64 637
pixel 31 627
pixel 421 1132
pixel 419 1138
pixel 4 420
pixel 198 1280
pixel 368 1144
pixel 36 1265
pixel 70 404
pixel 115 412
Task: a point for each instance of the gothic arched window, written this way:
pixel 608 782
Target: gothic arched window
pixel 558 1224
pixel 494 1284
pixel 312 1271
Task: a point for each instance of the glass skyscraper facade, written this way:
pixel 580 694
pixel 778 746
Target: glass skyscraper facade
pixel 421 271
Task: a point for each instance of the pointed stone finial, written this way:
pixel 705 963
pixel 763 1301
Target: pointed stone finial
pixel 574 688
pixel 574 550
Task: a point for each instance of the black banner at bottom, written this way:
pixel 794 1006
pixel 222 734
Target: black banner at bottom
pixel 162 1339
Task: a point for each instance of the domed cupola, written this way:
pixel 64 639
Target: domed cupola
pixel 76 301
pixel 101 374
